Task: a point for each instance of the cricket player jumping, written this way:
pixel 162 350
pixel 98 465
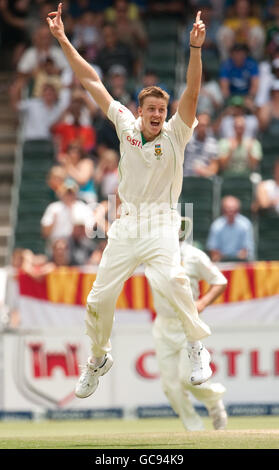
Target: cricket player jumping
pixel 151 172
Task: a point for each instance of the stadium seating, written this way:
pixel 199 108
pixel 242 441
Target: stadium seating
pixel 199 192
pixel 268 230
pixel 267 163
pixel 270 147
pixel 34 194
pixel 240 187
pixel 161 55
pixel 161 28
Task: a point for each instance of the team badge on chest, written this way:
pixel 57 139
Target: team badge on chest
pixel 158 151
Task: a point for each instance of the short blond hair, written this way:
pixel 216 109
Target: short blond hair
pixel 154 91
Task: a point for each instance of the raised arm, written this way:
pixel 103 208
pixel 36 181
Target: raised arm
pixel 188 102
pixel 84 71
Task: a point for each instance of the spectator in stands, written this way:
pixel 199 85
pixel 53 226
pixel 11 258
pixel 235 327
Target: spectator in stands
pixel 267 193
pixel 81 247
pixel 60 253
pixel 236 106
pixel 201 153
pixel 57 220
pixel 129 30
pixel 117 84
pixel 115 53
pixel 272 30
pixel 14 27
pixel 55 178
pixel 34 55
pixel 40 114
pixel 87 35
pixel 268 114
pixel 231 235
pixel 75 125
pixel 243 28
pixel 239 74
pixel 37 13
pixel 210 97
pixel 239 154
pixel 47 72
pixel 80 168
pixel 268 74
pixel 136 9
pixel 107 172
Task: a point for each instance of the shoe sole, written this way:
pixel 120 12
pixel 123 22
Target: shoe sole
pixel 108 365
pixel 86 396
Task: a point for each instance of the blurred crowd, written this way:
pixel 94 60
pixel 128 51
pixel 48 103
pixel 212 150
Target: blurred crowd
pixel 239 102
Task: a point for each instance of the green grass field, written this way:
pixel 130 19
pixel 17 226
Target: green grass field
pixel 243 433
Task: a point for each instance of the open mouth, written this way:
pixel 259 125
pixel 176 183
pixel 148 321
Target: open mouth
pixel 155 124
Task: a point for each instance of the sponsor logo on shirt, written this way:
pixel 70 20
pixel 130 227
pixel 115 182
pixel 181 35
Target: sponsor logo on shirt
pixel 134 142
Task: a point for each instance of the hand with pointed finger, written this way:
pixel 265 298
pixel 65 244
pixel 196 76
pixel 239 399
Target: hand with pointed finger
pixel 55 22
pixel 197 35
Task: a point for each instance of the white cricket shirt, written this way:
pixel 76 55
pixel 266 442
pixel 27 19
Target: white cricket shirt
pixel 150 175
pixel 198 267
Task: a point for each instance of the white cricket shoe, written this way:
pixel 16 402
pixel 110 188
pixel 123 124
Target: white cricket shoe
pixel 89 379
pixel 199 360
pixel 218 415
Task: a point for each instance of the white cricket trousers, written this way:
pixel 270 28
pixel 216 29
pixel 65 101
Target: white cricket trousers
pixel 172 356
pixel 127 248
